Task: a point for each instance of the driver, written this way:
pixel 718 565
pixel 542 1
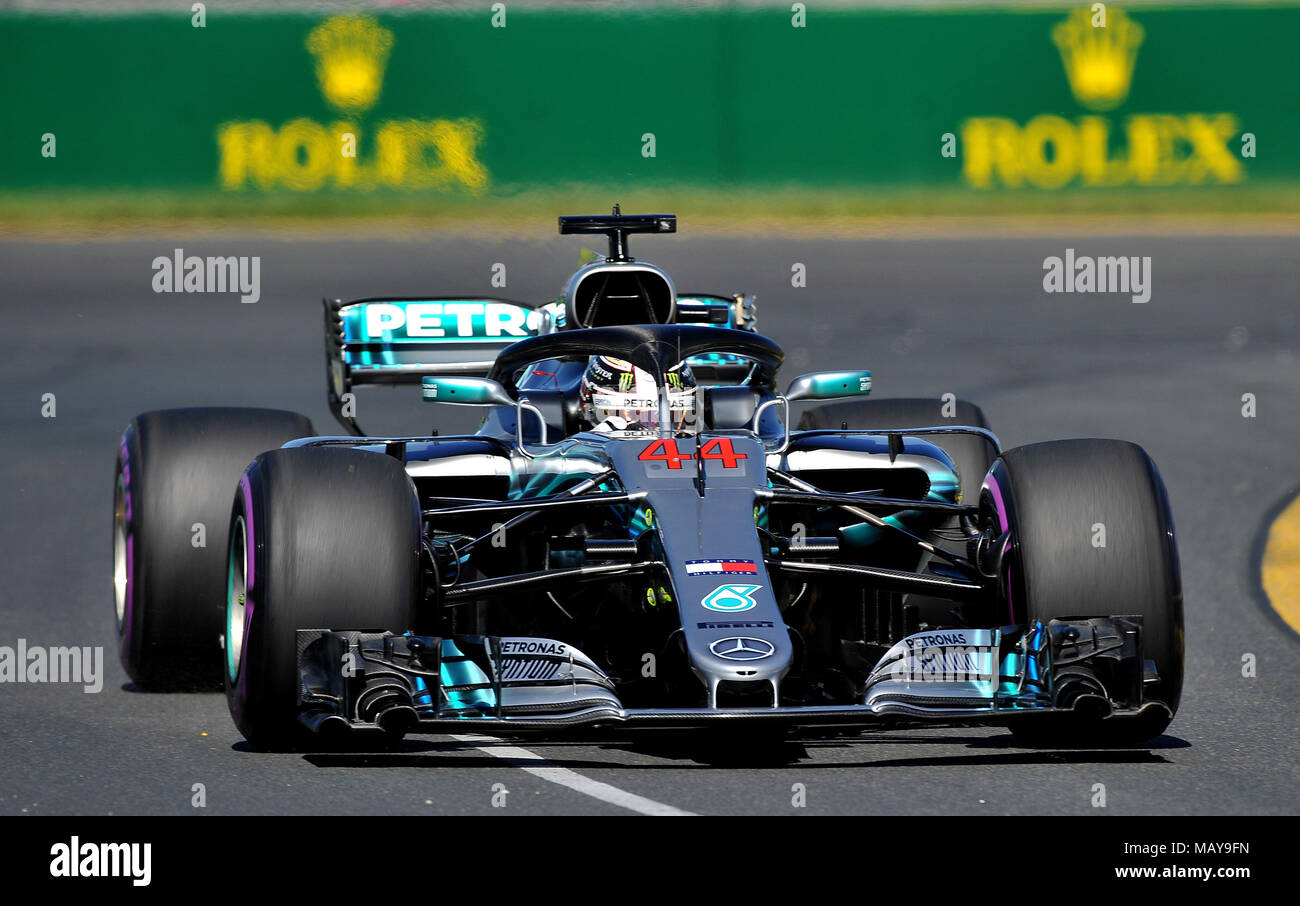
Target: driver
pixel 618 396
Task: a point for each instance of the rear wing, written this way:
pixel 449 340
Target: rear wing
pixel 399 341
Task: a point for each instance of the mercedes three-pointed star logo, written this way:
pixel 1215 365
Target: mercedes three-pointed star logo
pixel 742 649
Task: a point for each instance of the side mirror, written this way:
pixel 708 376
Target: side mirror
pixel 466 391
pixel 829 385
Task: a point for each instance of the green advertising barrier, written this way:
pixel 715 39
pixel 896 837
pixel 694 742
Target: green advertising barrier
pixel 445 102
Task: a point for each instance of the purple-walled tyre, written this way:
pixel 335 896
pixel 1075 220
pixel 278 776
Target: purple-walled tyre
pixel 320 538
pixel 1092 535
pixel 175 472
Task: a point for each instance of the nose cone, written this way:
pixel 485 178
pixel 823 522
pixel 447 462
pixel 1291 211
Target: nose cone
pixel 731 624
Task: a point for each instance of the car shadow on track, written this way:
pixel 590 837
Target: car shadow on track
pixel 822 753
pixel 182 685
pixel 675 751
pixel 1017 754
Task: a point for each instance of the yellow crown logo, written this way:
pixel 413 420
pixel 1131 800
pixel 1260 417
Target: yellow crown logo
pixel 350 52
pixel 1098 59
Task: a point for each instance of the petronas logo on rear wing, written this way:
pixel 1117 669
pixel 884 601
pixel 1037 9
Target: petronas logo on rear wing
pixel 451 319
pixel 400 341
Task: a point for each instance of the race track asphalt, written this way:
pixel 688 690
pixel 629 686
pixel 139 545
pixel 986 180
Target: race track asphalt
pixel 966 316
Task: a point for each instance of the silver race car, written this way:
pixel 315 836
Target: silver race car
pixel 638 536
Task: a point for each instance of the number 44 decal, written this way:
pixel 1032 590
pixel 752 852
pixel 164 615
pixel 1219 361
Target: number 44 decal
pixel 665 450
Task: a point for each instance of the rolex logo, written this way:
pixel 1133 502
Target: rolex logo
pixel 305 155
pixel 1099 49
pixel 1098 58
pixel 350 52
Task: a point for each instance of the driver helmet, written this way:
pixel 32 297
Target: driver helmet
pixel 619 396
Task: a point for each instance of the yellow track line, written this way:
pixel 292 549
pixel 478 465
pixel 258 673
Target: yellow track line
pixel 1280 569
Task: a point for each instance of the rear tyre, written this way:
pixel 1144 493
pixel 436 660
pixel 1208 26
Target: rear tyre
pixel 1093 536
pixel 171 510
pixel 320 538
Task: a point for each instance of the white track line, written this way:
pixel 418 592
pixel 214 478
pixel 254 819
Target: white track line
pixel 553 773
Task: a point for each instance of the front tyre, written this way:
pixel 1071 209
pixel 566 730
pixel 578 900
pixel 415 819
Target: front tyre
pixel 320 538
pixel 1092 536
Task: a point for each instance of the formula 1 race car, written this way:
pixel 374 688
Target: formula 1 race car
pixel 638 537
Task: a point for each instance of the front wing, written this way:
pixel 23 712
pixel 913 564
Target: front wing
pixel 368 682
